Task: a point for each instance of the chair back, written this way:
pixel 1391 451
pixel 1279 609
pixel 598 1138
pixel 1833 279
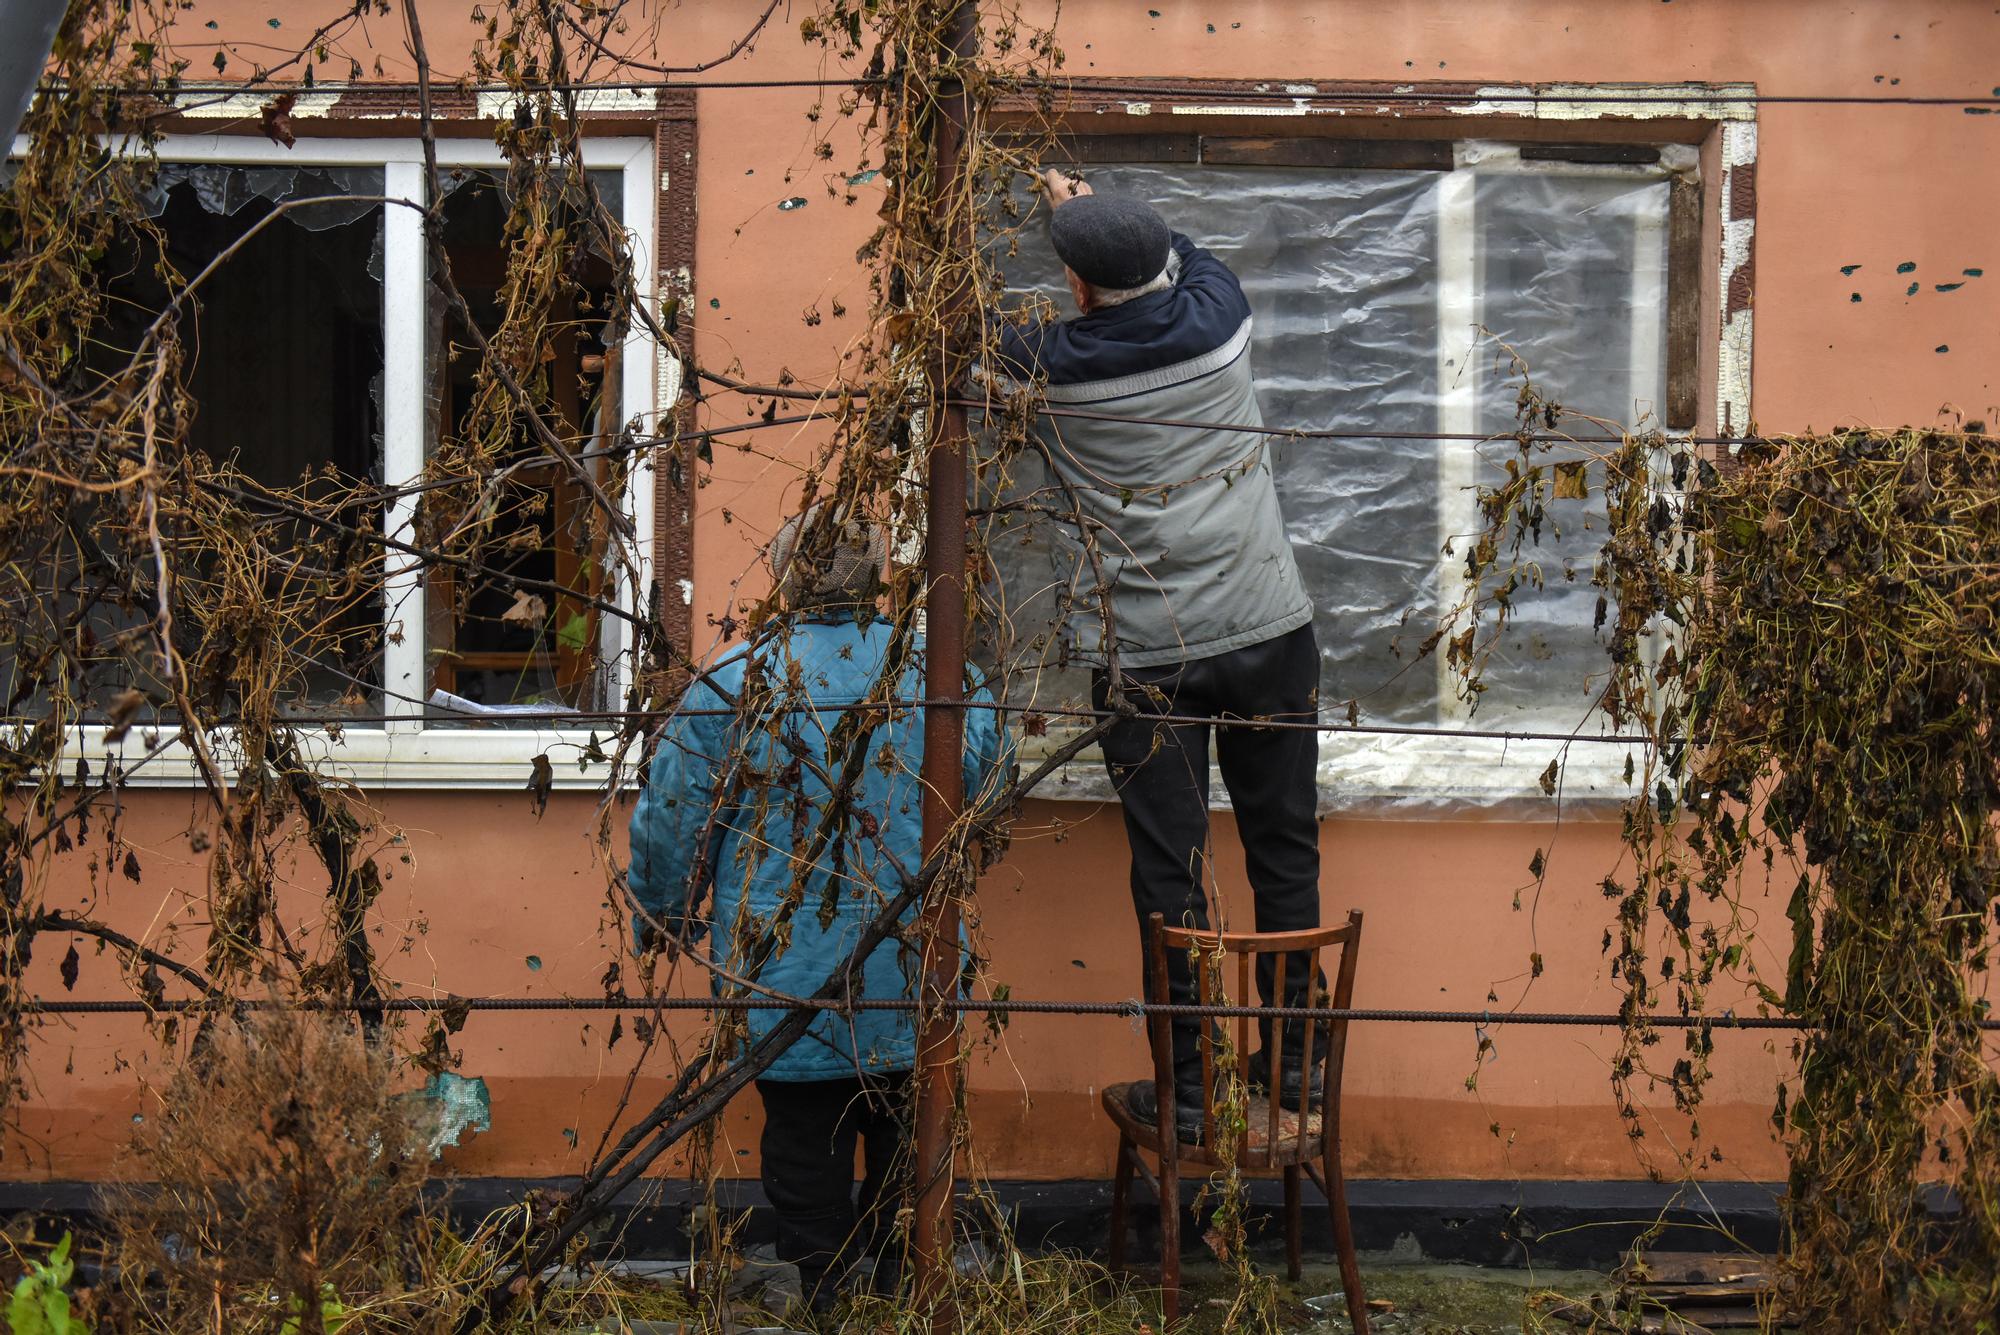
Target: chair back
pixel 1214 956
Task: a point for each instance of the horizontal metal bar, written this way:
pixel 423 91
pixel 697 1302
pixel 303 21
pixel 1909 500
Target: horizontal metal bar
pixel 1123 1009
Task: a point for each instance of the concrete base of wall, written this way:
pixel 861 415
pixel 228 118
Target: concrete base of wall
pixel 1561 1225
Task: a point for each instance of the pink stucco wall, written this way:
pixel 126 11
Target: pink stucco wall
pixel 1871 186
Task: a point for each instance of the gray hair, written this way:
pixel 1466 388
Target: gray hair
pixel 1101 297
pixel 841 563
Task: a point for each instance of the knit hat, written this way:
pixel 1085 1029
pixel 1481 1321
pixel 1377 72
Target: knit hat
pixel 1110 241
pixel 842 564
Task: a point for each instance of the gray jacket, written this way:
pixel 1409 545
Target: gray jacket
pixel 1187 524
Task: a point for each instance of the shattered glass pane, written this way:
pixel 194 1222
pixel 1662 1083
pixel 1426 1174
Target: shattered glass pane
pixel 281 351
pixel 225 190
pixel 486 639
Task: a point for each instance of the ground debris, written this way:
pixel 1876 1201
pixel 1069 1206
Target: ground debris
pixel 1678 1292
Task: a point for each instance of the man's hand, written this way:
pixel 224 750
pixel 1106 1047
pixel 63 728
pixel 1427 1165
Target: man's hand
pixel 1062 187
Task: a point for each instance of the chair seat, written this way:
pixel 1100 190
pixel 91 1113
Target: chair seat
pixel 1293 1144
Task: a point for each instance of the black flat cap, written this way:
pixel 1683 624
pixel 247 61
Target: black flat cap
pixel 1110 241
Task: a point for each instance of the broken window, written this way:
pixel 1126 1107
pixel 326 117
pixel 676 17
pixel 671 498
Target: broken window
pixel 487 639
pixel 282 364
pixel 1386 301
pixel 320 355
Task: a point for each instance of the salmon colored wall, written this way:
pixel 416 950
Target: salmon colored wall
pixel 516 908
pixel 1868 186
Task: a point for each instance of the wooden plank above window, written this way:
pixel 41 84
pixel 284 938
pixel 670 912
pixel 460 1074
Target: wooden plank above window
pixel 1638 154
pixel 1301 151
pixel 1088 149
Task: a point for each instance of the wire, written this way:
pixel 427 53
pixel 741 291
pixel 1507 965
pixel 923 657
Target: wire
pixel 638 443
pixel 1278 97
pixel 1315 433
pixel 1503 93
pixel 1133 1009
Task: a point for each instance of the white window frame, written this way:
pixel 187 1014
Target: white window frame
pixel 1429 776
pixel 1498 768
pixel 403 752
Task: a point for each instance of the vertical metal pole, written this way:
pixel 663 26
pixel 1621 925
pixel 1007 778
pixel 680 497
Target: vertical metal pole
pixel 944 684
pixel 27 36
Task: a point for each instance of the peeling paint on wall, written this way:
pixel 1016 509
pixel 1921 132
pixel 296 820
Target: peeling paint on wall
pixel 1298 108
pixel 249 106
pixel 460 1105
pixel 1739 229
pixel 500 105
pixel 1587 101
pixel 669 377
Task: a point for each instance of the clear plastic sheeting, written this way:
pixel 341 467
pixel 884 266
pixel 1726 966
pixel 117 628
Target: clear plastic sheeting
pixel 1388 301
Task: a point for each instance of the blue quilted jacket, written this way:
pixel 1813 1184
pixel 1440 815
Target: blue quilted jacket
pixel 731 884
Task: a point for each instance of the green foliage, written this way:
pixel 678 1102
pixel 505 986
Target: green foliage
pixel 40 1303
pixel 333 1314
pixel 574 633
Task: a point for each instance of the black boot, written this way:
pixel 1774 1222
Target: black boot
pixel 1145 1105
pixel 1300 990
pixel 1188 1110
pixel 1288 1095
pixel 819 1296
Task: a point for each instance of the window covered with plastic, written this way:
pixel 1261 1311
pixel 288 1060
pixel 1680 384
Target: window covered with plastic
pixel 1400 307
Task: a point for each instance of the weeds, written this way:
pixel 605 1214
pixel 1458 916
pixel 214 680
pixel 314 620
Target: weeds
pixel 284 1172
pixel 40 1302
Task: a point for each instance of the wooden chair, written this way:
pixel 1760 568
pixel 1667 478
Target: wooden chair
pixel 1278 1140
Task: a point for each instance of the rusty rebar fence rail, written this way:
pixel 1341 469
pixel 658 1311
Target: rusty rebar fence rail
pixel 1130 1010
pixel 1079 713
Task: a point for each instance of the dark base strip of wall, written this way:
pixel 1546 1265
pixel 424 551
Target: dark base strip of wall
pixel 1561 1225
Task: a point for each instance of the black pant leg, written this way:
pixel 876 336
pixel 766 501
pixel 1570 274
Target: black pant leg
pixel 1160 772
pixel 885 1139
pixel 1273 784
pixel 808 1170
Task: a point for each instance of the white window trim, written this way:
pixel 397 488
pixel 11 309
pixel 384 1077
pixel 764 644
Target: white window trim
pixel 1399 775
pixel 403 753
pixel 1592 770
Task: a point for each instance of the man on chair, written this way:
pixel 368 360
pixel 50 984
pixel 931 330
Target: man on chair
pixel 1212 622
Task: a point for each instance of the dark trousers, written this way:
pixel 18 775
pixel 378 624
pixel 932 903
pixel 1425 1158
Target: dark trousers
pixel 810 1131
pixel 1160 771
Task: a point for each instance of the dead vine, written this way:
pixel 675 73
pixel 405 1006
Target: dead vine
pixel 1806 634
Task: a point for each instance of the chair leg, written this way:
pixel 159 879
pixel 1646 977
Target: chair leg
pixel 1292 1194
pixel 1343 1237
pixel 1170 1238
pixel 1121 1190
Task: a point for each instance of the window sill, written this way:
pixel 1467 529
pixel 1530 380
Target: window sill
pixel 1369 777
pixel 1389 777
pixel 375 758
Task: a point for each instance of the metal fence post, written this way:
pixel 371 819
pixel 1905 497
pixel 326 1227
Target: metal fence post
pixel 944 686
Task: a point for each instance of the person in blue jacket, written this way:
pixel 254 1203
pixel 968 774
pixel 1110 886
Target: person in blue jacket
pixel 731 805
